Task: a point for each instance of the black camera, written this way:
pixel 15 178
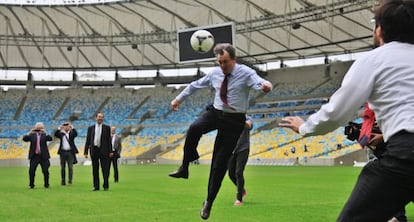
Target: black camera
pixel 352 131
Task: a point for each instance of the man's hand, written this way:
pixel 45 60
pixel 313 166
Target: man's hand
pixel 248 124
pixel 86 156
pixel 375 140
pixel 266 86
pixel 292 122
pixel 175 104
pixel 111 155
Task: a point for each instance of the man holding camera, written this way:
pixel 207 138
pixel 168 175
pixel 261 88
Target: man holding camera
pixel 385 78
pixel 67 150
pixel 38 153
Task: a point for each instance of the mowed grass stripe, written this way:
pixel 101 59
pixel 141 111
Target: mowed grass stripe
pixel 146 193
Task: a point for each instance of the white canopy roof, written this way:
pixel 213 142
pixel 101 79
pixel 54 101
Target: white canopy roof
pixel 143 34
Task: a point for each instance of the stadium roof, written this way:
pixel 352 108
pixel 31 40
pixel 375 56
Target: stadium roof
pixel 143 34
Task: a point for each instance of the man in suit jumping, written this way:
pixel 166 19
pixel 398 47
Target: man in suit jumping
pixel 38 153
pixel 98 141
pixel 67 150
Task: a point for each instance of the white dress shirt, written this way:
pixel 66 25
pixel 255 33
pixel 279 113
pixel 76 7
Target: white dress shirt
pixel 98 133
pixel 65 142
pixel 241 79
pixel 385 78
pixel 113 141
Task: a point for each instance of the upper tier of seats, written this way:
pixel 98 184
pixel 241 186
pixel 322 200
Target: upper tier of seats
pixel 297 91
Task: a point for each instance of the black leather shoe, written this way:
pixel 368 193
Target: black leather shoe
pixel 182 172
pixel 205 210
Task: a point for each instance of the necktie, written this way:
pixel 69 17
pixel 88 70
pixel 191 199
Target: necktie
pixel 37 150
pixel 367 124
pixel 223 90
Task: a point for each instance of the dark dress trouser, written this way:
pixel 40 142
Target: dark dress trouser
pixel 207 122
pixel 97 157
pixel 237 163
pixel 66 157
pixel 384 186
pixel 114 161
pixel 44 163
pixel 230 127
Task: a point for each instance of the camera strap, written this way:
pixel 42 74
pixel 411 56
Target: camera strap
pixel 367 125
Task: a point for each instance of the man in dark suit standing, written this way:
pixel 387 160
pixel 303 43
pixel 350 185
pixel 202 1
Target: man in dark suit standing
pixel 98 141
pixel 116 148
pixel 38 153
pixel 67 150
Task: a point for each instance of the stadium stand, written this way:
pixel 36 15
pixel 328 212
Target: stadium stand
pixel 146 121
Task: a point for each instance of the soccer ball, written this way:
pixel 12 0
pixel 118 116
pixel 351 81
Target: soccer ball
pixel 202 41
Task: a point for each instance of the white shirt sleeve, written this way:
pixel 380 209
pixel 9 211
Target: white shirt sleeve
pixel 345 102
pixel 203 82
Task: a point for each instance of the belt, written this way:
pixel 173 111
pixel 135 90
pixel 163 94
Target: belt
pixel 65 150
pixel 222 113
pixel 404 133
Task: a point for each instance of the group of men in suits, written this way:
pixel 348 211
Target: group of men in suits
pixel 102 144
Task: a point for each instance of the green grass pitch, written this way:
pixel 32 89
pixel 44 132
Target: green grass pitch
pixel 146 193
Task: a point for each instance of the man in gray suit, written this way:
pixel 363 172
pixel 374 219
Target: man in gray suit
pixel 116 149
pixel 67 150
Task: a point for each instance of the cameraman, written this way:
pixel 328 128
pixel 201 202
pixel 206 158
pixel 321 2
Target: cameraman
pixel 369 129
pixel 385 78
pixel 38 153
pixel 67 150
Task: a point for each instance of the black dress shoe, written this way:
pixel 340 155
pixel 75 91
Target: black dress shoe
pixel 205 210
pixel 182 172
pixel 95 189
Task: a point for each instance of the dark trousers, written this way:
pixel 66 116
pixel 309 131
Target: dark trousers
pixel 237 164
pixel 97 157
pixel 385 185
pixel 66 157
pixel 114 161
pixel 207 122
pixel 400 215
pixel 44 163
pixel 229 130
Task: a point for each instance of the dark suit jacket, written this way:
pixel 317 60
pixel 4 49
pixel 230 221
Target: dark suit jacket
pixel 44 151
pixel 106 143
pixel 117 146
pixel 72 134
